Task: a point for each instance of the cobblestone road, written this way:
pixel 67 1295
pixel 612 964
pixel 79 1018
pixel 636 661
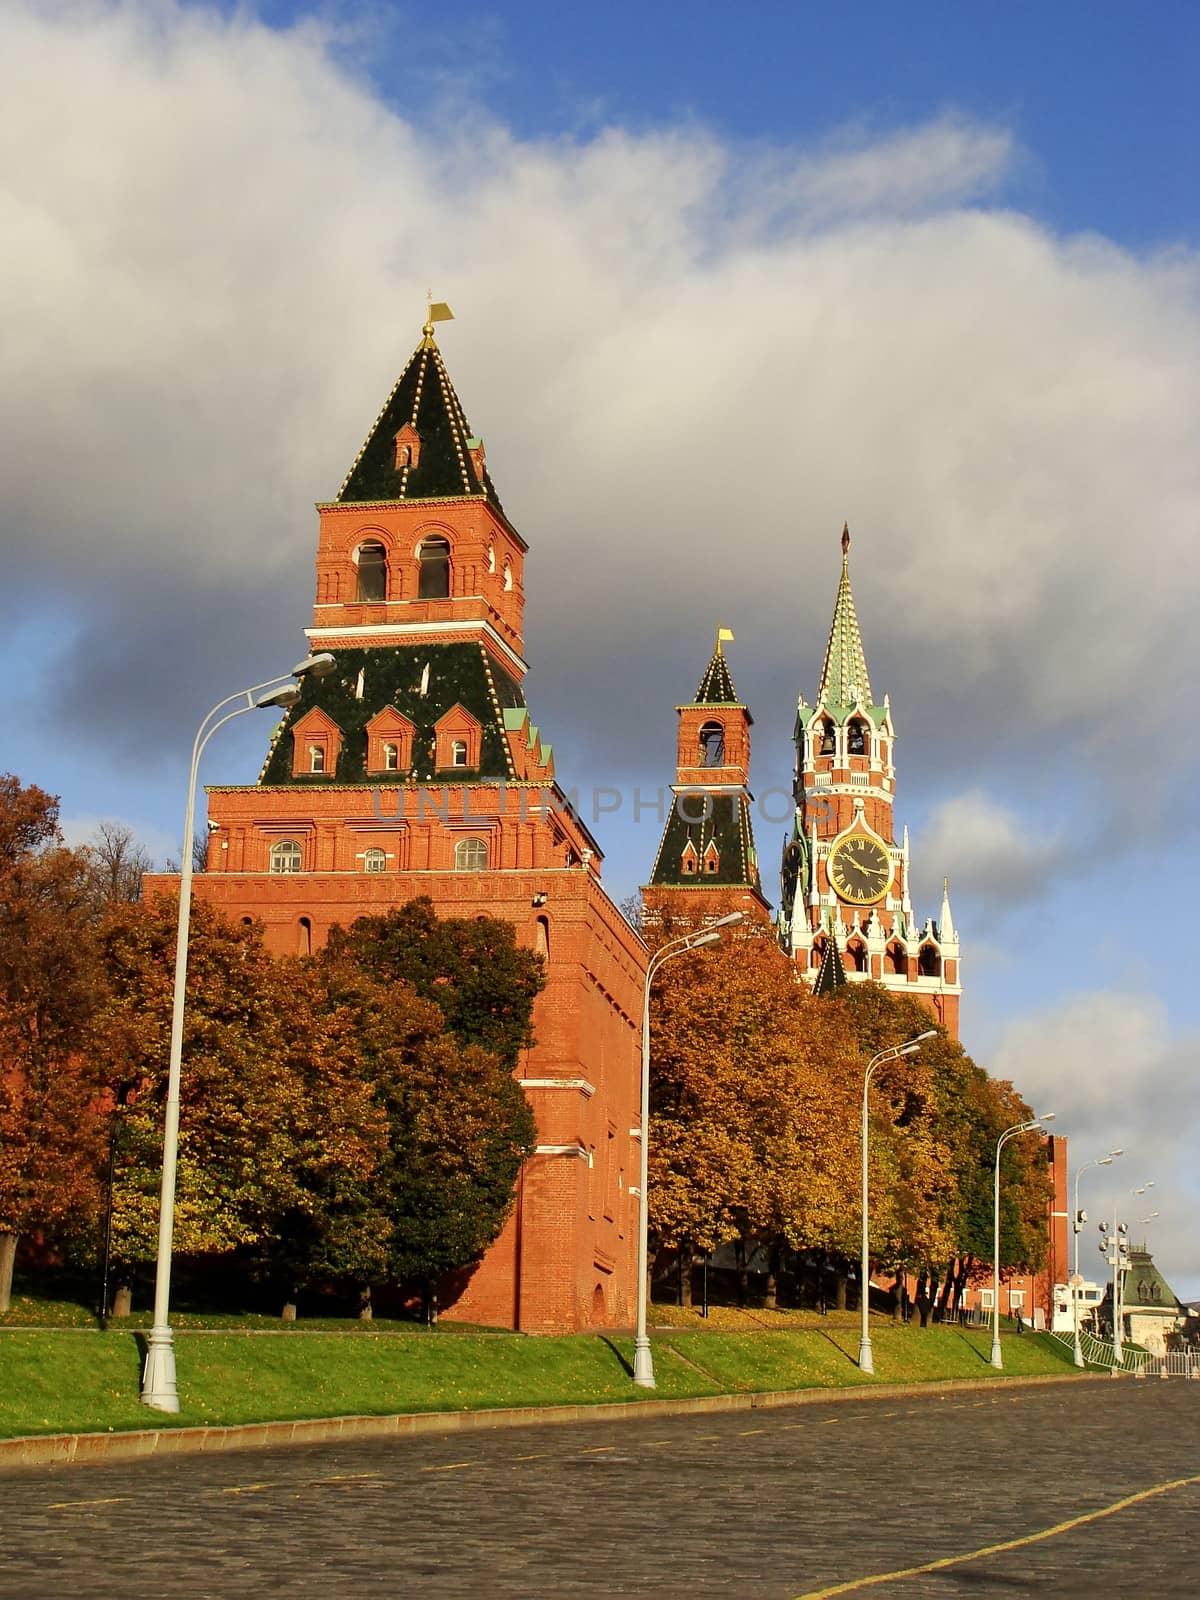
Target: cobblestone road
pixel 765 1506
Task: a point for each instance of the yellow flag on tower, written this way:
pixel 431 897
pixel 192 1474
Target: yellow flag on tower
pixel 724 636
pixel 439 311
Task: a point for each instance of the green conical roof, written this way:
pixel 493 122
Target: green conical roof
pixel 844 676
pixel 831 974
pixel 425 398
pixel 716 686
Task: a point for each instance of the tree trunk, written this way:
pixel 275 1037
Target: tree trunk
pixel 288 1314
pixel 923 1301
pixel 743 1272
pixel 685 1277
pixel 898 1298
pixel 365 1313
pixel 122 1300
pixel 8 1255
pixel 947 1294
pixel 842 1283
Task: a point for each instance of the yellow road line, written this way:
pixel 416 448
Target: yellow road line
pixel 70 1505
pixel 1009 1544
pixel 746 1432
pixel 248 1488
pixel 598 1450
pixel 451 1466
pixel 537 1457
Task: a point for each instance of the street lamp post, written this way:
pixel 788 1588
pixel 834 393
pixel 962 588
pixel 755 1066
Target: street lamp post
pixel 1009 1133
pixel 1078 1221
pixel 643 1361
pixel 158 1377
pixel 866 1360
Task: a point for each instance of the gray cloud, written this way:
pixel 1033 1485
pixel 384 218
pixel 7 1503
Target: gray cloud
pixel 1109 1067
pixel 690 363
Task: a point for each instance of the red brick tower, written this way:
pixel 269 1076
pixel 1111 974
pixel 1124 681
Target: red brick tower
pixel 844 876
pixel 706 863
pixel 415 769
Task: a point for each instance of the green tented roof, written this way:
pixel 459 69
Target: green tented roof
pixel 424 397
pixel 845 666
pixel 459 674
pixel 716 686
pixel 728 825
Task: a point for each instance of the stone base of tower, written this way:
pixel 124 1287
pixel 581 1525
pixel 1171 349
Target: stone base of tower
pixel 566 1259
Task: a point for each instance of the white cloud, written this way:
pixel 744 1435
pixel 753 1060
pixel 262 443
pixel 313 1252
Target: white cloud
pixel 1114 1073
pixel 992 855
pixel 690 361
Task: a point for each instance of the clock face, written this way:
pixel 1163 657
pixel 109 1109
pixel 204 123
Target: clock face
pixel 860 870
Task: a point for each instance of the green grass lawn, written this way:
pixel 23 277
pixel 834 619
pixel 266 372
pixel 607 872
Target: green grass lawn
pixel 62 1380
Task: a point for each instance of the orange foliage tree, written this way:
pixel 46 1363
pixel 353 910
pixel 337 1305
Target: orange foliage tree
pixel 51 1131
pixel 754 1094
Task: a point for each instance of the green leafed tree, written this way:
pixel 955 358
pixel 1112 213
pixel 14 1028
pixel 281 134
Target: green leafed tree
pixel 472 969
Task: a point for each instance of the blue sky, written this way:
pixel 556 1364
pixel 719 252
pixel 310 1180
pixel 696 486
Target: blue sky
pixel 722 279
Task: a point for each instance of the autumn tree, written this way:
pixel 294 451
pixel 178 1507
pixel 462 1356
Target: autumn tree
pixel 943 1103
pixel 472 969
pixel 117 865
pixel 51 1129
pixel 245 1114
pixel 753 1106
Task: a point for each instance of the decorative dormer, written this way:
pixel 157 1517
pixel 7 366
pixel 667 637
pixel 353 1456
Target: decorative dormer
pixel 408 448
pixel 316 745
pixel 457 739
pixel 389 743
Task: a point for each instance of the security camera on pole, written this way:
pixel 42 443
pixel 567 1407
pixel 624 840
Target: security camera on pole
pixel 1114 1247
pixel 1079 1218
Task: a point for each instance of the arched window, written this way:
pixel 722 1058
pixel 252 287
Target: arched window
pixel 470 855
pixel 491 558
pixel 856 738
pixel 712 745
pixel 929 963
pixel 286 856
pixel 304 936
pixel 824 740
pixel 856 955
pixel 374 860
pixel 689 864
pixel 897 960
pixel 372 571
pixel 434 581
pixel 391 758
pixel 541 938
pixel 458 753
pixel 316 758
pixel 711 864
pixel 507 576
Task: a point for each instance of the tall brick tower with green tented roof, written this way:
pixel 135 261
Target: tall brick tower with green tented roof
pixel 414 769
pixel 845 879
pixel 706 862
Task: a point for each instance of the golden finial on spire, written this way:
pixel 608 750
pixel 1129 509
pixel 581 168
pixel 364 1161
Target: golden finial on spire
pixel 438 311
pixel 845 541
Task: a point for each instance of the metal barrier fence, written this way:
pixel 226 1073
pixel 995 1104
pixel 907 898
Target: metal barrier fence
pixel 1099 1352
pixel 1175 1364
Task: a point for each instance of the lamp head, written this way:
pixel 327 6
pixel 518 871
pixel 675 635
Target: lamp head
pixel 284 697
pixel 909 1049
pixel 930 1033
pixel 730 919
pixel 704 938
pixel 318 666
pixel 1113 1154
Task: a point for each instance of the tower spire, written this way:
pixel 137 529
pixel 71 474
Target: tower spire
pixel 844 675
